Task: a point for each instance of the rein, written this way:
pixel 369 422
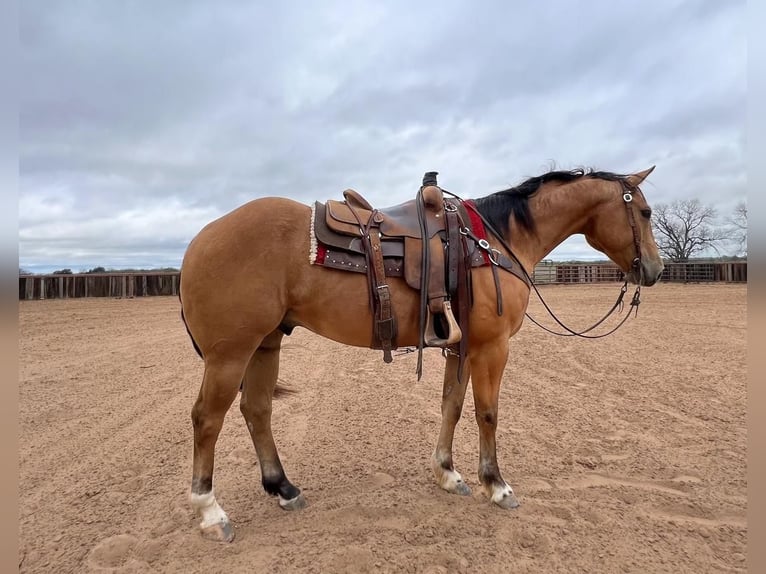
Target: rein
pixel 618 305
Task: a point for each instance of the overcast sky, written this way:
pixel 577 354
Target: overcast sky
pixel 142 121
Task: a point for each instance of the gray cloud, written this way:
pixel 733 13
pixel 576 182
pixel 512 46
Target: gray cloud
pixel 140 122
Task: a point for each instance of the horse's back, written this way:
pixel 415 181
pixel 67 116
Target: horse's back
pixel 248 236
pixel 252 221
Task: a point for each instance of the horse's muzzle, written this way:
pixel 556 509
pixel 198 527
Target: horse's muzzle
pixel 650 274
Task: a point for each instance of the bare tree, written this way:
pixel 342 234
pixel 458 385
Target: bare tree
pixel 738 226
pixel 685 228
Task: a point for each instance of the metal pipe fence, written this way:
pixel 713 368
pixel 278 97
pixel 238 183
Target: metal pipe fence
pixel 696 272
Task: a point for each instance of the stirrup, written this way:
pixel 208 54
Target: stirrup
pixel 454 334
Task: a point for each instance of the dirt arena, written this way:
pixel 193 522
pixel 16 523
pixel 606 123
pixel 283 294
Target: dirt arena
pixel 628 454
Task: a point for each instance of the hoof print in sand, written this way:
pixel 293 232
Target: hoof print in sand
pixel 379 480
pixel 118 554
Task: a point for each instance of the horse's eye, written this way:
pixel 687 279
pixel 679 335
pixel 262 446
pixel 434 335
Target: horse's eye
pixel 646 213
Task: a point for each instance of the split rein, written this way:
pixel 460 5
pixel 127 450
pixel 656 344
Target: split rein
pixel 618 304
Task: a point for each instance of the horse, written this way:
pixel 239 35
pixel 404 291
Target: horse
pixel 246 281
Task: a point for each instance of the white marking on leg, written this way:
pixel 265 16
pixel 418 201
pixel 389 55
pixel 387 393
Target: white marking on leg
pixel 207 506
pixel 500 492
pixel 449 480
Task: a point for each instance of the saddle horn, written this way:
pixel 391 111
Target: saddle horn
pixel 430 178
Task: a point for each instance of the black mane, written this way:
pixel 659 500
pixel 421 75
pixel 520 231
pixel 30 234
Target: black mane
pixel 498 207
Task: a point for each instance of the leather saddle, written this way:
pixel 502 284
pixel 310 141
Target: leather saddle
pixel 419 240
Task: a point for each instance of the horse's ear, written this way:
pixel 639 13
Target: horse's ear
pixel 636 179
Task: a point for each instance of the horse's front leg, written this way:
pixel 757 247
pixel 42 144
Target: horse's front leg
pixel 487 365
pixel 453 395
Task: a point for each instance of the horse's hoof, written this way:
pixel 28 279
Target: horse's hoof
pixel 462 489
pixel 451 481
pixel 220 532
pixel 508 501
pixel 296 503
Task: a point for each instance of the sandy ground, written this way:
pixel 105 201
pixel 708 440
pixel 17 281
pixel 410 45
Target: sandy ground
pixel 628 453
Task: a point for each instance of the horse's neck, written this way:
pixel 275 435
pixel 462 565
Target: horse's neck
pixel 559 212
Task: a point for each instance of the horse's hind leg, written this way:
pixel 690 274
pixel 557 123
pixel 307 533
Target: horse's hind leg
pixel 219 388
pixel 453 395
pixel 257 392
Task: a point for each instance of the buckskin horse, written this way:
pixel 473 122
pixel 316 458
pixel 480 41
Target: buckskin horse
pixel 247 280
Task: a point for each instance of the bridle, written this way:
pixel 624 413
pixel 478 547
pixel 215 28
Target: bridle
pixel 627 197
pixel 636 267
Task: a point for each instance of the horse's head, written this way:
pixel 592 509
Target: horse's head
pixel 620 227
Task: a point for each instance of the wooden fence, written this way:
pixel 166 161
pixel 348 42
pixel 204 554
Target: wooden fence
pixel 98 285
pixel 127 285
